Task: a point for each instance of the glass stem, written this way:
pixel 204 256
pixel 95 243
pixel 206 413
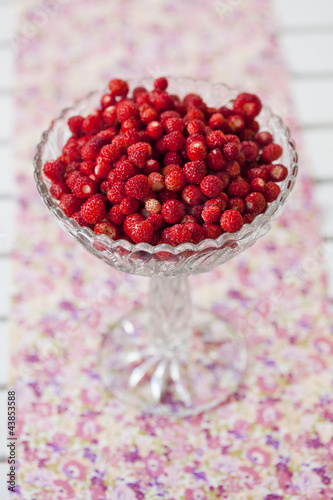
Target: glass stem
pixel 169 308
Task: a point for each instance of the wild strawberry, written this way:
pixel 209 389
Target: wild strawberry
pixel 131 221
pixel 156 220
pixel 118 87
pixel 272 191
pixel 124 170
pixel 277 172
pixel 212 231
pixel 231 150
pixel 54 170
pixel 261 172
pixel 84 187
pixel 177 234
pixel 248 218
pixel 150 167
pixel 172 157
pixel 71 178
pixel 87 167
pixel 166 195
pixel 153 206
pixel 236 203
pixel 93 123
pixel 224 178
pixel 173 124
pixel 173 211
pixel 102 169
pixel 232 169
pixel 196 212
pixel 216 139
pixel 160 100
pixel 156 181
pixel 220 202
pixel 196 151
pixel 247 104
pixel 155 129
pixel 175 180
pixel 195 171
pixel 174 141
pixel 192 195
pixel 106 101
pixel 216 121
pixel 129 124
pixel 110 115
pixel 271 152
pixel 92 148
pixel 239 188
pixel 216 161
pixel 169 114
pixel 231 221
pixel 211 186
pixel 80 220
pixel 129 205
pixel 75 124
pixel 197 232
pixel 142 232
pixel 250 150
pixel 236 123
pixel 188 218
pixel 161 83
pixel 196 127
pixel 211 214
pixel 58 190
pixel 70 204
pixel 255 203
pixel 127 109
pixel 117 217
pixel 116 192
pixel 258 185
pixel 137 186
pixel 93 210
pixel 264 138
pixel 107 228
pixel 139 154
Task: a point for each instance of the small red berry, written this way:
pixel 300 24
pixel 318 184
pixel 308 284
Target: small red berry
pixel 110 116
pixel 75 124
pixel 211 186
pixel 93 210
pixel 166 195
pixel 138 187
pixel 215 139
pixel 131 221
pixel 247 104
pixel 150 167
pixel 156 181
pixel 212 231
pixel 148 115
pixel 124 170
pixel 195 171
pixel 93 123
pixel 248 218
pixel 196 151
pixel 216 121
pixel 117 217
pixel 236 123
pixel 174 141
pixel 196 127
pixel 116 192
pixel 153 206
pixel 173 211
pixel 175 180
pixel 250 150
pixel 232 169
pixel 129 205
pixel 161 83
pixel 142 232
pixel 231 221
pixel 71 178
pixel 70 204
pixel 192 195
pixel 216 161
pixel 177 234
pixel 277 172
pixel 271 152
pixel 264 138
pixel 258 185
pixel 58 190
pixel 84 187
pixel 211 214
pixel 255 203
pixel 172 157
pixel 238 188
pixel 155 129
pixel 127 109
pixel 87 167
pixel 272 191
pixel 261 172
pixel 139 154
pixel 236 204
pixel 231 150
pixel 107 228
pixel 118 87
pixel 156 220
pixel 110 153
pixel 54 170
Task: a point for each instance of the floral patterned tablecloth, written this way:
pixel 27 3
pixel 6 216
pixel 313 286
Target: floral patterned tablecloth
pixel 273 440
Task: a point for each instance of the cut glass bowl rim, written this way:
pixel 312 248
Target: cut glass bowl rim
pixel 245 232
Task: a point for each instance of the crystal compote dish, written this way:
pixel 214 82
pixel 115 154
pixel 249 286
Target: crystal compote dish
pixel 166 358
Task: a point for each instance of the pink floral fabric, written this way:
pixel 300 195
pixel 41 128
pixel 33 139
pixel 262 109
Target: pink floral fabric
pixel 274 439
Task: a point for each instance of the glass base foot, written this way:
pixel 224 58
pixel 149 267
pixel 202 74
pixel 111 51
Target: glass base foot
pixel 179 380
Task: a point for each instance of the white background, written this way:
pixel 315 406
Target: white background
pixel 306 34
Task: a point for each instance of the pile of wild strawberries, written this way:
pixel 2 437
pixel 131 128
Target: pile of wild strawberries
pixel 155 168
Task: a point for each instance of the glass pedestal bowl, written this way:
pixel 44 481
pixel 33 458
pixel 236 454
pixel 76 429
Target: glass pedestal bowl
pixel 166 358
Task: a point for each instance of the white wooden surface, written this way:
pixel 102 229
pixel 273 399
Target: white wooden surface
pixel 306 34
